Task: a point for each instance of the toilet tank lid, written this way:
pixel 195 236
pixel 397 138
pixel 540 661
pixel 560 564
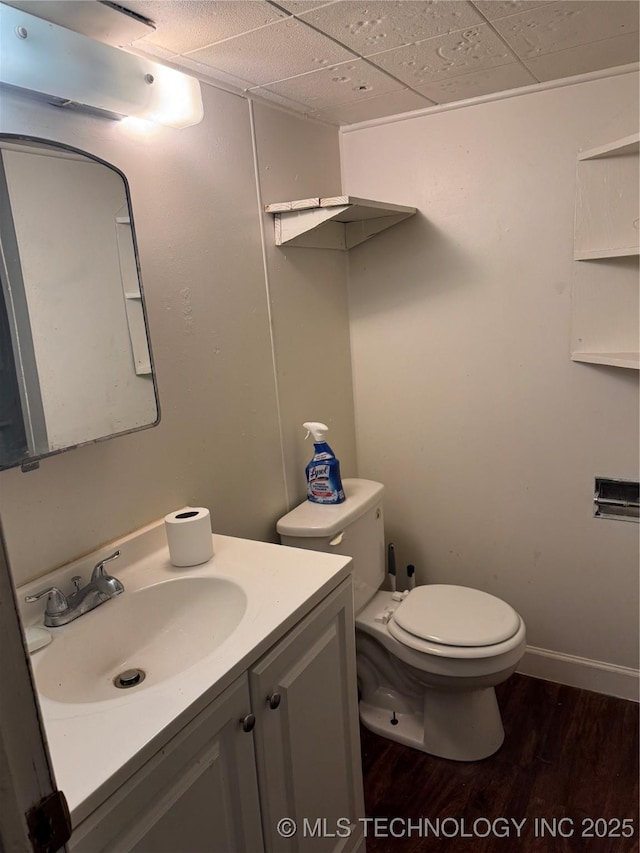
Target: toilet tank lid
pixel 311 519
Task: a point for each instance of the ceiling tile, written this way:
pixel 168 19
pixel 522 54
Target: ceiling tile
pixel 497 79
pixel 340 84
pixel 445 56
pixel 608 53
pixel 296 7
pixel 206 72
pixel 403 101
pixel 560 26
pixel 369 28
pixel 184 25
pixel 273 53
pixel 494 9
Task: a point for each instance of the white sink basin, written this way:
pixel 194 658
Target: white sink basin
pixel 162 629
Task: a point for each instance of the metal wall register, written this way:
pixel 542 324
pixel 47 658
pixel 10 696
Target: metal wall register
pixel 616 499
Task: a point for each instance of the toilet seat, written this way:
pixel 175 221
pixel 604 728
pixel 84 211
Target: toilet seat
pixel 455 652
pixel 485 625
pixel 456 616
pixel 462 661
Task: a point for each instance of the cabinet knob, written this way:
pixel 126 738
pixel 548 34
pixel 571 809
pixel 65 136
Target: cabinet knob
pixel 248 722
pixel 274 700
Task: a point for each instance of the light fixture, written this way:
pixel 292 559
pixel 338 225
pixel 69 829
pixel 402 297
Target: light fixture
pixel 69 69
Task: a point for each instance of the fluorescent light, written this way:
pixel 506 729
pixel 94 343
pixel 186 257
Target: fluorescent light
pixel 70 68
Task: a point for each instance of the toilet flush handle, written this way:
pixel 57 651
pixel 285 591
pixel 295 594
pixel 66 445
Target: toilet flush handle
pixel 337 539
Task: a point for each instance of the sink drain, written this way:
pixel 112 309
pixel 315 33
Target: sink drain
pixel 129 678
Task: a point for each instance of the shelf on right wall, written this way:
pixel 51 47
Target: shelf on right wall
pixel 605 303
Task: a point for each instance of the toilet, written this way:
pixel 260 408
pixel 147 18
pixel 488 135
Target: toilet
pixel 428 660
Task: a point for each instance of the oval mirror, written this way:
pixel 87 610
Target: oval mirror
pixel 75 359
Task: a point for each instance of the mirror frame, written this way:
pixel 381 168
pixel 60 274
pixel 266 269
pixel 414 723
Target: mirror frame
pixel 30 463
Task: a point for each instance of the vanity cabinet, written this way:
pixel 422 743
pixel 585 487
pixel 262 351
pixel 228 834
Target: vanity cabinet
pixel 281 742
pixel 199 793
pixel 307 738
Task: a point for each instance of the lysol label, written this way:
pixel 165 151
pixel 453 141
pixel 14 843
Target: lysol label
pixel 321 486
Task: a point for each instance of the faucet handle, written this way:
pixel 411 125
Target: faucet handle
pixel 98 571
pixel 57 602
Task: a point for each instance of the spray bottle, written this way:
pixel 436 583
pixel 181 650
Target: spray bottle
pixel 324 485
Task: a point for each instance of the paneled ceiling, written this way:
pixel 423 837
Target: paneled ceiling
pixel 350 61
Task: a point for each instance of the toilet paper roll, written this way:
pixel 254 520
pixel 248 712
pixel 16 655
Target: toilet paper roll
pixel 189 536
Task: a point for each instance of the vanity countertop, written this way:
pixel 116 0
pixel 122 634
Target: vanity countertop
pixel 96 745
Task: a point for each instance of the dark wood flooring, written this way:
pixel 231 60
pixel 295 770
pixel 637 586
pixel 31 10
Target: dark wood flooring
pixel 570 757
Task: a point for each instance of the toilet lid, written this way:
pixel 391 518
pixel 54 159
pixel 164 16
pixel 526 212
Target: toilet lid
pixel 456 616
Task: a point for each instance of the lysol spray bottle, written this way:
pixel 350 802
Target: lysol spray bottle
pixel 324 485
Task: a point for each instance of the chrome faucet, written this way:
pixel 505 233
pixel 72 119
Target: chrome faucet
pixel 62 609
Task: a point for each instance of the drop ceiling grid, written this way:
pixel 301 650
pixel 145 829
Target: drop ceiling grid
pixel 516 38
pixel 349 60
pixel 450 49
pixel 277 52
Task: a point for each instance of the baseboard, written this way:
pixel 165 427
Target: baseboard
pixel 621 681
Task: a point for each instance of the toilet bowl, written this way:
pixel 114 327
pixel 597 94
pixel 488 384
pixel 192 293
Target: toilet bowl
pixel 435 697
pixel 428 660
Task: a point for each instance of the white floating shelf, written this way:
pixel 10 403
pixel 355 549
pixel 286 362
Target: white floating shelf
pixel 605 295
pixel 340 222
pixel 596 254
pixel 606 221
pixel 615 359
pixel 626 145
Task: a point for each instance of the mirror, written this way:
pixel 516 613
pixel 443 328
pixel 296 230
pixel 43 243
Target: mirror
pixel 75 360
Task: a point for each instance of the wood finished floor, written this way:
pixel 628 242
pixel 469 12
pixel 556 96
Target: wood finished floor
pixel 567 753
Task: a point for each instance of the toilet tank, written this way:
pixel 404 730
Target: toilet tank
pixel 354 528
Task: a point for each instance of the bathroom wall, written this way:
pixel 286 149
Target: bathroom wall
pixel 468 408
pixel 199 227
pixel 308 296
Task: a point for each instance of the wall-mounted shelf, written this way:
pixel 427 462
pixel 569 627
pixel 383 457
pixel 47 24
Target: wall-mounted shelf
pixel 625 145
pixel 615 359
pixel 340 222
pixel 606 223
pixel 594 254
pixel 605 298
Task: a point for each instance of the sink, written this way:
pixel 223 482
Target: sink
pixel 161 629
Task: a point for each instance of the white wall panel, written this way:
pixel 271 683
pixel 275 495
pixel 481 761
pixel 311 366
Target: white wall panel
pixel 218 444
pixel 468 407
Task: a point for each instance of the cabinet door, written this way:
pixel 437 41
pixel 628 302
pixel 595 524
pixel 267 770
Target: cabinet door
pixel 199 794
pixel 308 746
